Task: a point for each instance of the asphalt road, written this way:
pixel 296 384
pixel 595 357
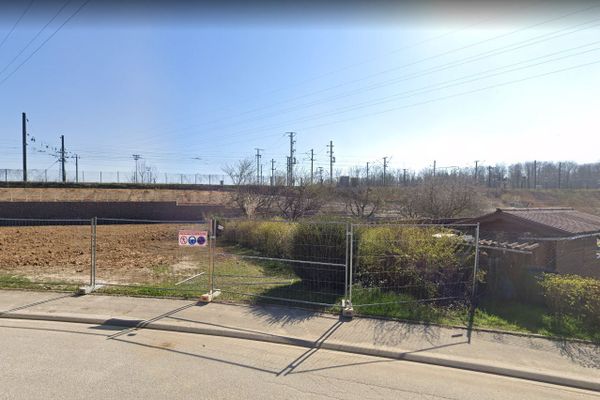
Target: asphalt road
pixel 53 360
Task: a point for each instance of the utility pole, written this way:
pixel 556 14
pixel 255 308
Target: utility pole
pixel 258 169
pixel 404 176
pixel 320 170
pixel 367 172
pixel 490 176
pixel 434 164
pixel 384 168
pixel 559 173
pixel 291 159
pixel 476 171
pixel 136 157
pixel 312 160
pixel 24 125
pixel 76 168
pixel 272 172
pixel 534 174
pixel 331 161
pixel 62 157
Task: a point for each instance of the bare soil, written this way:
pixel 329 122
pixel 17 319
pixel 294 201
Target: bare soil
pixel 125 253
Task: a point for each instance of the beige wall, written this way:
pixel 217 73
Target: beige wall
pixel 211 197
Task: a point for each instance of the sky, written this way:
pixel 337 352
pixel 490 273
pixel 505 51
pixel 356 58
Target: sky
pixel 193 88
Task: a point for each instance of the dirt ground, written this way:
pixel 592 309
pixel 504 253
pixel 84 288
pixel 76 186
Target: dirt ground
pixel 125 253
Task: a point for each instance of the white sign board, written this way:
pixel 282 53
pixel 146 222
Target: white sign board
pixel 193 238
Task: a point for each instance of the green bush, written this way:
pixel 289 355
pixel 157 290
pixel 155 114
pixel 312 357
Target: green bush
pixel 422 260
pixel 573 295
pixel 319 242
pixel 269 238
pixel 425 261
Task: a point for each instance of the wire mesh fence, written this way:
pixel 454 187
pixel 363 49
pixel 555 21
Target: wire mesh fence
pixel 151 254
pixel 51 252
pixel 380 269
pixel 90 176
pixel 404 270
pixel 281 261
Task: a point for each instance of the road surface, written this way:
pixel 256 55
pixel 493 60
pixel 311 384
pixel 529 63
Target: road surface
pixel 54 360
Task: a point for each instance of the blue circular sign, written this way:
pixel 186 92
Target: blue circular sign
pixel 192 240
pixel 201 240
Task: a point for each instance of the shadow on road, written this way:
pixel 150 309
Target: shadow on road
pixel 37 303
pixel 115 323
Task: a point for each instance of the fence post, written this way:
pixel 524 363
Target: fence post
pixel 351 262
pixel 476 264
pixel 212 254
pixel 212 243
pixel 347 267
pixel 347 310
pixel 93 254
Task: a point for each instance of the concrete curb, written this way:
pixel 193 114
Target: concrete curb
pixel 540 376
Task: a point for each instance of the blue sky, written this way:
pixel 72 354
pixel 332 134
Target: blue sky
pixel 432 83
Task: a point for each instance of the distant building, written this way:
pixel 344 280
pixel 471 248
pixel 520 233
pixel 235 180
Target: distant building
pixel 344 181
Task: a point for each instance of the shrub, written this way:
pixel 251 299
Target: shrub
pixel 269 238
pixel 424 261
pixel 573 295
pixel 274 238
pixel 320 242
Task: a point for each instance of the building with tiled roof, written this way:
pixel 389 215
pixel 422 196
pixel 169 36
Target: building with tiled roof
pixel 567 238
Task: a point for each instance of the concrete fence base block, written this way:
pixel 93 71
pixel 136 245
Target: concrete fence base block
pixel 88 289
pixel 85 290
pixel 208 297
pixel 347 310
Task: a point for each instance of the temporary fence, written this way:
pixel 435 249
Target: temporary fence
pixel 149 253
pixel 282 261
pixel 45 251
pixel 88 176
pixel 408 264
pixel 318 263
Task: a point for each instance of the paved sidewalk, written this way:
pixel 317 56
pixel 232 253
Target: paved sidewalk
pixel 560 362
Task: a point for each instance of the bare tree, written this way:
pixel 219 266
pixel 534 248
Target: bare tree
pixel 296 202
pixel 439 198
pixel 242 172
pixel 146 173
pixel 248 198
pixel 362 201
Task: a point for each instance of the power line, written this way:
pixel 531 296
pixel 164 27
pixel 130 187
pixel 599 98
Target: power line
pixel 477 43
pixel 331 72
pixel 35 37
pixel 441 85
pixel 16 23
pixel 459 79
pixel 45 41
pixel 510 82
pixel 427 59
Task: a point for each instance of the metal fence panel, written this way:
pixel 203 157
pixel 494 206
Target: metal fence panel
pixel 281 261
pixel 403 266
pixel 147 254
pixel 45 253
